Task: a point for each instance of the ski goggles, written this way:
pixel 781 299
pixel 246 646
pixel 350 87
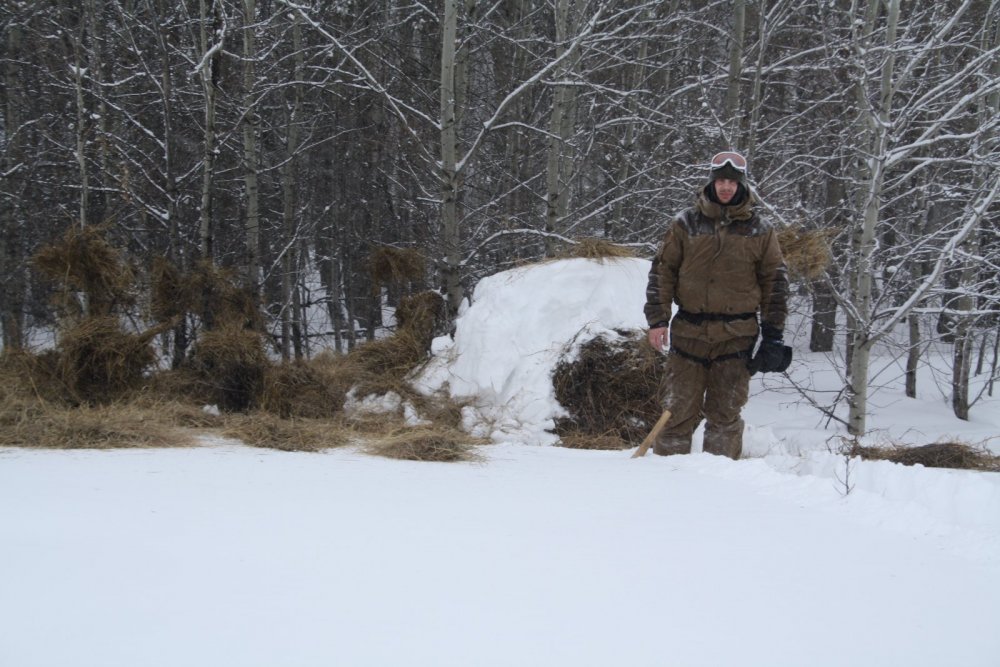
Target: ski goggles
pixel 734 160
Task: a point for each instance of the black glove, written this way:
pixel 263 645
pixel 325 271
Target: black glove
pixel 773 356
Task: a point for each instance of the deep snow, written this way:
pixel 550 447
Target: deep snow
pixel 535 555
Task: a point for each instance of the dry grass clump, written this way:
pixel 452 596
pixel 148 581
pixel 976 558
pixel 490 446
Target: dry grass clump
pixel 806 251
pixel 610 389
pixel 231 365
pixel 425 443
pixel 31 376
pixel 595 248
pixel 936 455
pixel 423 315
pixel 261 429
pixel 207 290
pixel 588 441
pixel 302 389
pixel 45 426
pixel 84 262
pixel 381 365
pixel 396 266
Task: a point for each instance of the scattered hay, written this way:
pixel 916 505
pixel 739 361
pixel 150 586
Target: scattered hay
pixel 84 262
pixel 425 443
pixel 231 364
pixel 587 441
pixel 806 251
pixel 268 431
pixel 595 248
pixel 936 455
pixel 610 389
pixel 43 426
pixel 174 411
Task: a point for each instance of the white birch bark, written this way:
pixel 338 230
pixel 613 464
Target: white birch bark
pixel 874 174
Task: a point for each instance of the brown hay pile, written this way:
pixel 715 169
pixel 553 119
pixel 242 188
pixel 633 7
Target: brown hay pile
pixel 268 431
pixel 231 366
pixel 425 443
pixel 98 362
pixel 83 261
pixel 396 266
pixel 937 455
pixel 423 314
pixel 31 376
pixel 595 248
pixel 103 427
pixel 209 291
pixel 382 365
pixel 806 251
pixel 302 389
pixel 610 389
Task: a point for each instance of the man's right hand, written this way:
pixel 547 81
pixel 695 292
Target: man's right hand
pixel 658 338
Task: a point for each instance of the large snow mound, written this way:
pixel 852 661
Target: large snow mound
pixel 511 334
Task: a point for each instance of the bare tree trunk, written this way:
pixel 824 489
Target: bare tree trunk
pixel 966 302
pixel 561 126
pixel 732 117
pixel 251 121
pixel 12 262
pixel 290 259
pixel 212 35
pixel 82 124
pixel 878 128
pixel 912 354
pixel 451 242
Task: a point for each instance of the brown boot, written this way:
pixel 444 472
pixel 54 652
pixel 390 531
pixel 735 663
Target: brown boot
pixel 669 446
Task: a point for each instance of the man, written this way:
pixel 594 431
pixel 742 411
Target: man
pixel 722 265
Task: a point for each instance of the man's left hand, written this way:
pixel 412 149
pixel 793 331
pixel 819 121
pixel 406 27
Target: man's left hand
pixel 772 357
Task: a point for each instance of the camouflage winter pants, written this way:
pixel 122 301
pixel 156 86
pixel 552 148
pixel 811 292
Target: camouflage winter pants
pixel 715 391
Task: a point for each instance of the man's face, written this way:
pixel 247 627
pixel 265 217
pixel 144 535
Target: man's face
pixel 725 189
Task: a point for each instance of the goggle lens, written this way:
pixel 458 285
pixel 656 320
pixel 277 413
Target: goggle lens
pixel 735 160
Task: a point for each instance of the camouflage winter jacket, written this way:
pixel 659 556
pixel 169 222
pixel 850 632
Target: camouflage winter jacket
pixel 718 263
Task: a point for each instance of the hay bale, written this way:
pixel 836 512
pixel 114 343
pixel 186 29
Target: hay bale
pixel 231 365
pixel 425 443
pixel 209 291
pixel 301 389
pixel 84 262
pixel 170 294
pixel 806 251
pixel 424 314
pixel 269 431
pixel 610 388
pixel 382 365
pixel 98 362
pixel 595 248
pixel 396 267
pixel 955 455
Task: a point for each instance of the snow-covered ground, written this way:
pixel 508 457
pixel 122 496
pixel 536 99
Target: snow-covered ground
pixel 534 555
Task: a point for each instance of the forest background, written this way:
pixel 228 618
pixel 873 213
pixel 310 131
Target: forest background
pixel 294 143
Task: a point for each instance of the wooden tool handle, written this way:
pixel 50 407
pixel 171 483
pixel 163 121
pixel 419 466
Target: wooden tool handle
pixel 649 439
